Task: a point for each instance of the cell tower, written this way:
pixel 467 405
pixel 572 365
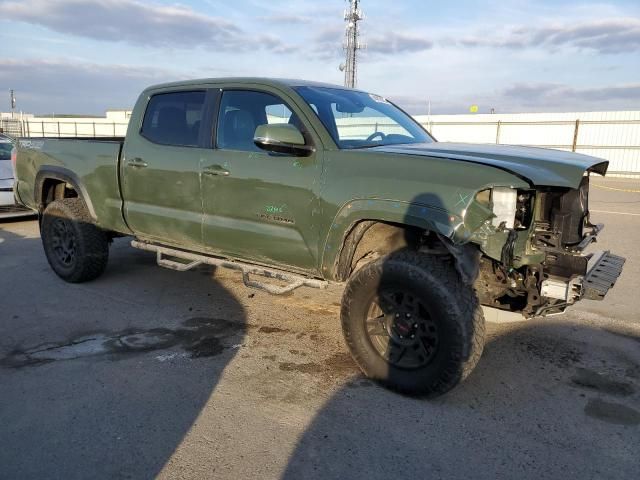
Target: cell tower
pixel 351 43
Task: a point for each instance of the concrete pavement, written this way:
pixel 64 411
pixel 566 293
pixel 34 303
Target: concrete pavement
pixel 148 373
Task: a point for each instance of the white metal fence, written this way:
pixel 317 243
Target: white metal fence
pixel 614 136
pixel 61 129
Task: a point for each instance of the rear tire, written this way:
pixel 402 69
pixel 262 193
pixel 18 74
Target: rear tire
pixel 412 324
pixel 76 249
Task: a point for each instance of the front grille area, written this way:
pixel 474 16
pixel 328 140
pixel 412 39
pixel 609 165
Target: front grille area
pixel 569 214
pixel 563 216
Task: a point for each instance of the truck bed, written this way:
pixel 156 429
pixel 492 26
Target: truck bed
pixel 89 163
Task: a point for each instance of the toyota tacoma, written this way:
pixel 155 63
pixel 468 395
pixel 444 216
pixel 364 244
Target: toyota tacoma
pixel 300 183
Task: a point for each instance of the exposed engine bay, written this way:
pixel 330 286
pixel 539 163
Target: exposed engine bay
pixel 560 229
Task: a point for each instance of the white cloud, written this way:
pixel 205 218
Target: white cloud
pixel 608 36
pixel 138 23
pixel 43 86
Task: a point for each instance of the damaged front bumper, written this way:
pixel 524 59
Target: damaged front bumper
pixel 562 275
pixel 603 269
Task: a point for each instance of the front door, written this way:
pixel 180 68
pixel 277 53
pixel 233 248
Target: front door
pixel 260 206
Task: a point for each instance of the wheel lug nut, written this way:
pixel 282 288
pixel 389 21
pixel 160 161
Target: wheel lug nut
pixel 413 336
pixel 397 315
pixel 415 325
pixel 408 315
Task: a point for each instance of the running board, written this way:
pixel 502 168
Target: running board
pixel 192 260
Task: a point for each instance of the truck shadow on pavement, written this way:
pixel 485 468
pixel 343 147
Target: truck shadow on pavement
pixel 547 397
pixel 106 379
pixel 108 376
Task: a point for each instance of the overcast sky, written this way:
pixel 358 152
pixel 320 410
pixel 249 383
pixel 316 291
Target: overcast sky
pixel 86 56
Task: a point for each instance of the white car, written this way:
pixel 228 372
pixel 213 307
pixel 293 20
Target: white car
pixel 8 207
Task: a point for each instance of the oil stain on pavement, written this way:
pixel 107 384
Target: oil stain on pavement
pixel 612 412
pixel 593 380
pixel 198 337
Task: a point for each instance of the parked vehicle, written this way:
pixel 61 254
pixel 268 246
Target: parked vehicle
pixel 312 183
pixel 8 205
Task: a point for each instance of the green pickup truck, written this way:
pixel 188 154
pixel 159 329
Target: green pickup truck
pixel 301 184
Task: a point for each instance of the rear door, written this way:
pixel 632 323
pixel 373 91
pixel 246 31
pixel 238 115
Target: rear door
pixel 160 171
pixel 260 206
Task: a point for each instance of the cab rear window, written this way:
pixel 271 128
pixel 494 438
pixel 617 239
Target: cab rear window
pixel 174 118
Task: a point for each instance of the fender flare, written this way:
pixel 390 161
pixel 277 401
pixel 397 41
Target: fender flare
pixel 47 172
pixel 352 213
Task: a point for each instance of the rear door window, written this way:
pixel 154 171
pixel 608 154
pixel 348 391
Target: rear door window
pixel 174 118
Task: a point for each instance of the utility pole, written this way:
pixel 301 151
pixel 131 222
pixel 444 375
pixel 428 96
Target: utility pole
pixel 13 102
pixel 352 43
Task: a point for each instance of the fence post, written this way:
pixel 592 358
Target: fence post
pixel 575 135
pixel 75 129
pixel 58 129
pixel 94 129
pixel 498 132
pixel 42 126
pixel 114 129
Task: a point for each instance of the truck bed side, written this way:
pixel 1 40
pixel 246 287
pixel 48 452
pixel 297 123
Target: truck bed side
pixel 90 166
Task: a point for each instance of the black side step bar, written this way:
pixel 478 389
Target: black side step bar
pixel 192 260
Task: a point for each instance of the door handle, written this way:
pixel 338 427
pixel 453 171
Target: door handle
pixel 137 162
pixel 215 170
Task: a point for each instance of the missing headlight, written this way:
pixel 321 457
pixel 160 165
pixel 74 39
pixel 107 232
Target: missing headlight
pixel 504 202
pixel 513 209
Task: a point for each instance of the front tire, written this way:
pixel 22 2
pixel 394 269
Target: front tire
pixel 412 324
pixel 76 249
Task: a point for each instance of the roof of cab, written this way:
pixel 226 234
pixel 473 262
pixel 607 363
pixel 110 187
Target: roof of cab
pixel 280 82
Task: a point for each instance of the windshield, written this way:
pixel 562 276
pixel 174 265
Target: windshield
pixel 361 120
pixel 5 151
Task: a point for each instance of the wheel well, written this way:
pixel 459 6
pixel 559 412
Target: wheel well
pixel 55 189
pixel 368 240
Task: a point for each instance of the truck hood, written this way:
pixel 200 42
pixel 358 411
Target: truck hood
pixel 538 166
pixel 6 171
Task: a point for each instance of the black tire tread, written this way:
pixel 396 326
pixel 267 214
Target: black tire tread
pixel 93 242
pixel 467 314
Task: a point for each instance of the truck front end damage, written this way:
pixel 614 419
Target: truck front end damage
pixel 533 246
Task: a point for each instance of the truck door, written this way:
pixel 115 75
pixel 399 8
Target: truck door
pixel 160 170
pixel 260 206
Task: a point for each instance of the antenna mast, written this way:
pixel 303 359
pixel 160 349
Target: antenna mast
pixel 351 43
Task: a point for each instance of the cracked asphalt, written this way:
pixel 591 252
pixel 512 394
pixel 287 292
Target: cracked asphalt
pixel 149 373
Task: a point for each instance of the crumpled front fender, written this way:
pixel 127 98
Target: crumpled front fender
pixel 468 222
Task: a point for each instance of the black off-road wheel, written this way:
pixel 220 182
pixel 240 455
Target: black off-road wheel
pixel 412 324
pixel 76 249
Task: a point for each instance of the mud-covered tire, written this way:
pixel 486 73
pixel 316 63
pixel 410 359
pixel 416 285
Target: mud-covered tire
pixel 76 249
pixel 431 303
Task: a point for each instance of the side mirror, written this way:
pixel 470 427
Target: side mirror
pixel 282 138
